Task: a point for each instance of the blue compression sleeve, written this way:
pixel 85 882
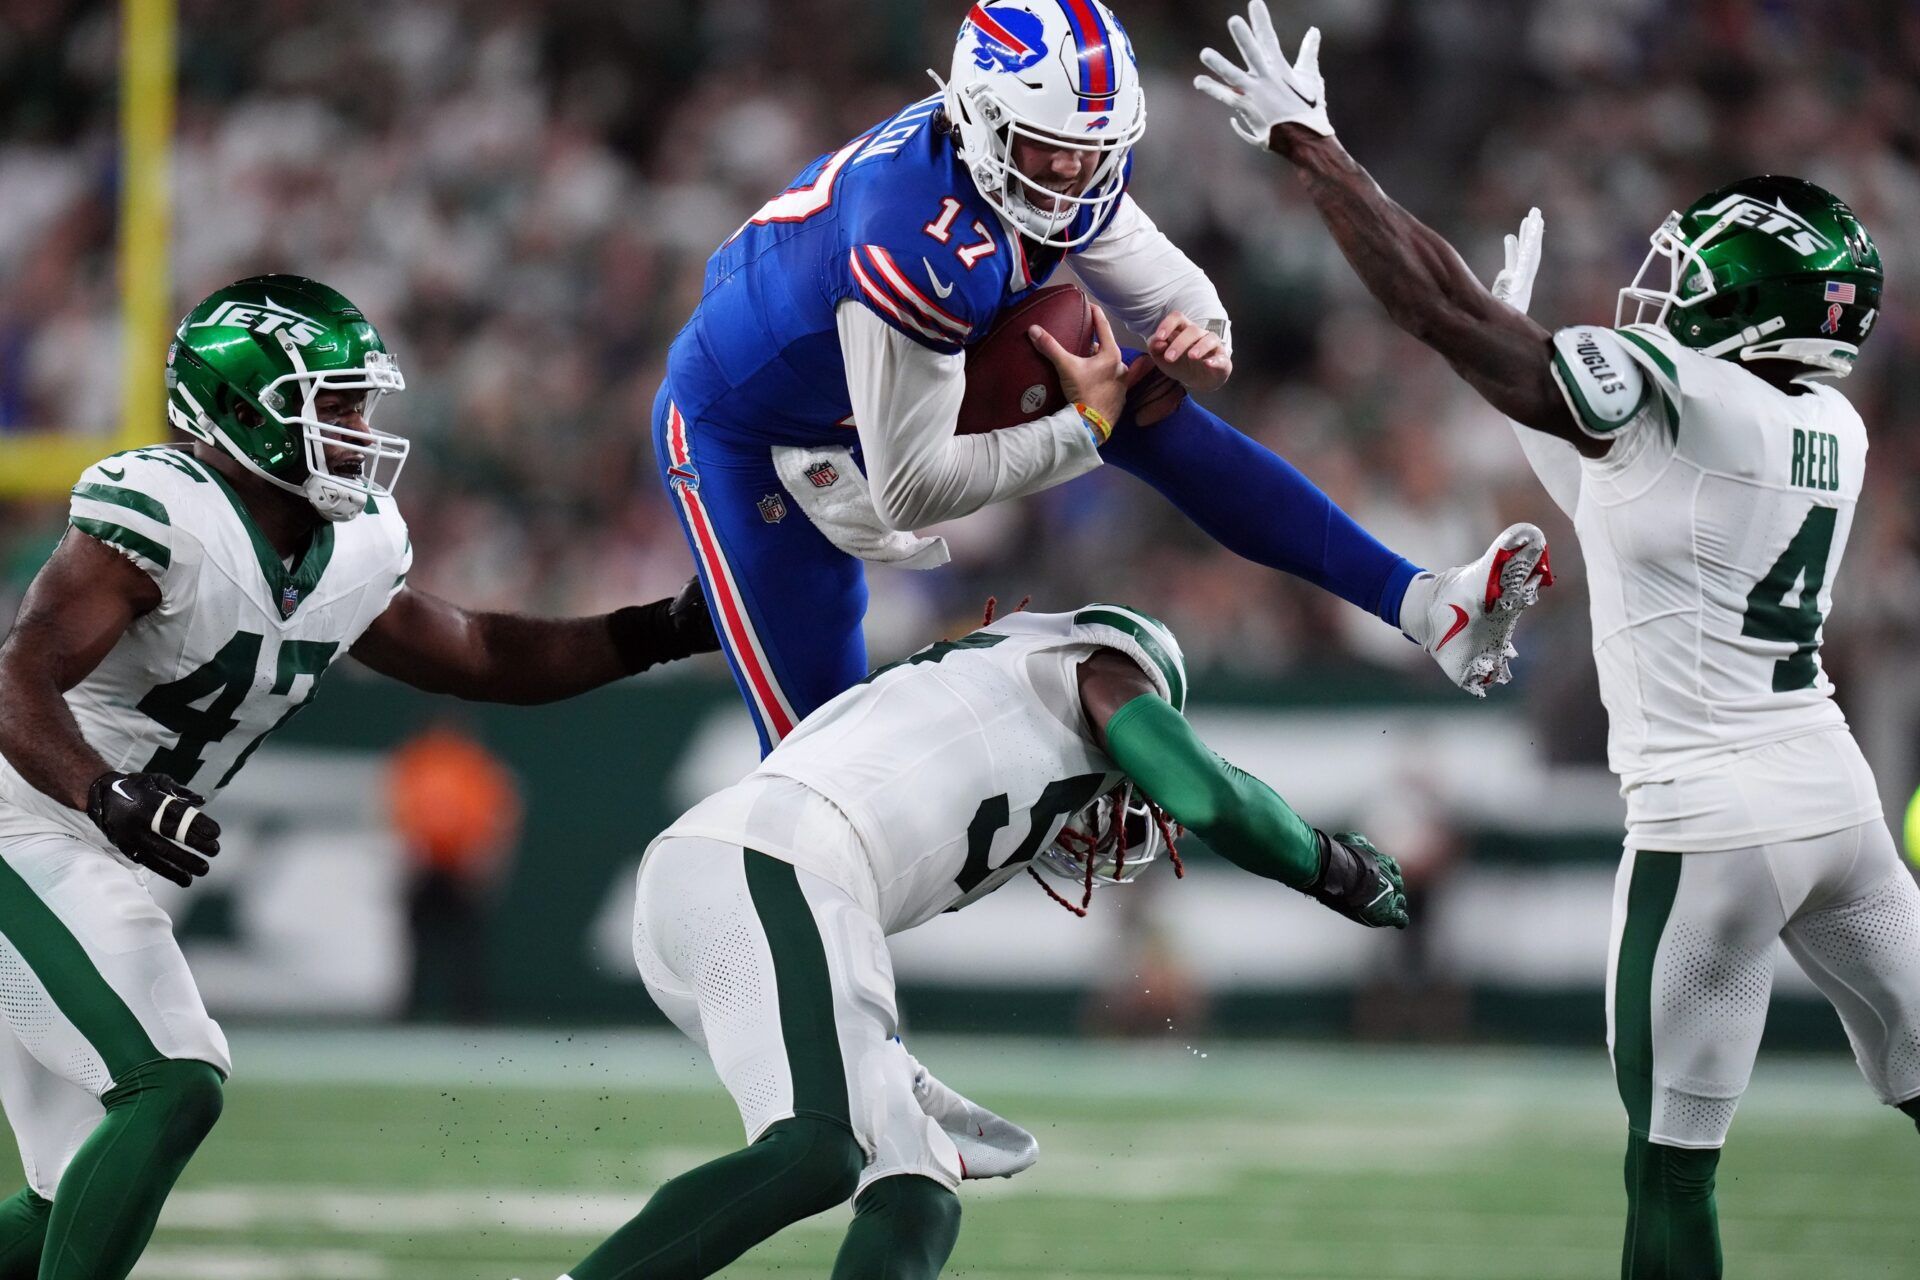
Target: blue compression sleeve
pixel 1257 505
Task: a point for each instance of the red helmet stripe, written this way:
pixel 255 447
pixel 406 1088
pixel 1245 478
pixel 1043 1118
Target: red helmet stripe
pixel 980 18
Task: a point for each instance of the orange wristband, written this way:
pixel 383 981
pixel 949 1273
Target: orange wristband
pixel 1096 421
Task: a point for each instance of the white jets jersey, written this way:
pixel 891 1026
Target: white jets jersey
pixel 939 778
pixel 238 640
pixel 1713 531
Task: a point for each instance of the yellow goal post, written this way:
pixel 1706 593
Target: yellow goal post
pixel 45 463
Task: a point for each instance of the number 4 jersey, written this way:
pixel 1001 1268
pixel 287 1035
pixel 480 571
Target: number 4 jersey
pixel 238 640
pixel 1713 531
pixel 937 779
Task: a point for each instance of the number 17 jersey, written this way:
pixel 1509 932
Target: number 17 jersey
pixel 1713 531
pixel 238 640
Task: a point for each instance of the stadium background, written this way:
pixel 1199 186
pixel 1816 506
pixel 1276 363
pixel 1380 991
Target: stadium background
pixel 522 196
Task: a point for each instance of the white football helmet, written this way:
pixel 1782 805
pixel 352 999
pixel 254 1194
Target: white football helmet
pixel 1120 834
pixel 1060 73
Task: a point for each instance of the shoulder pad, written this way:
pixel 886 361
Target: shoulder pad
pixel 1142 637
pixel 926 254
pixel 134 501
pixel 1602 382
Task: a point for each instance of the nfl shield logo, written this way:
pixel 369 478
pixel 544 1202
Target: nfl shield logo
pixel 289 600
pixel 821 475
pixel 773 508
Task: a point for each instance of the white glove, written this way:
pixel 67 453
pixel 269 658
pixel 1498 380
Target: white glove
pixel 1514 284
pixel 1554 461
pixel 1268 92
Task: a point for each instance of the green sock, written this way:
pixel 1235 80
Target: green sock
pixel 110 1196
pixel 23 1232
pixel 903 1229
pixel 1912 1107
pixel 705 1218
pixel 1673 1230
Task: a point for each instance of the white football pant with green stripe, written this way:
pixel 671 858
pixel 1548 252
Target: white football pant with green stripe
pixel 92 984
pixel 787 984
pixel 1695 940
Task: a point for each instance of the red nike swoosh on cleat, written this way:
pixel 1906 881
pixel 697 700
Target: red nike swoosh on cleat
pixel 1459 625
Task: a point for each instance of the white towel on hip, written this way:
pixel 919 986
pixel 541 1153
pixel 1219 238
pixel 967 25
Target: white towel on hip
pixel 833 493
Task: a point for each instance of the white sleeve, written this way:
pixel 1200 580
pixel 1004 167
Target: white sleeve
pixel 1555 461
pixel 906 400
pixel 1141 276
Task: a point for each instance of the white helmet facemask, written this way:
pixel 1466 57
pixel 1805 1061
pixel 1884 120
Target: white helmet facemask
pixel 335 497
pixel 381 453
pixel 1116 837
pixel 1056 74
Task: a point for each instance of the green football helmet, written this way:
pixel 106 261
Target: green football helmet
pixel 1767 268
pixel 271 345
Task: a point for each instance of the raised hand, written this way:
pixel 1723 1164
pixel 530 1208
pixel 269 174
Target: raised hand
pixel 1514 284
pixel 1269 91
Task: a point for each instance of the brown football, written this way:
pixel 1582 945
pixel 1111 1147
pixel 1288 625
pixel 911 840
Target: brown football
pixel 1008 381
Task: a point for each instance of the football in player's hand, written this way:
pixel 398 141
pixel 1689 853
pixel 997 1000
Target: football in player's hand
pixel 1008 381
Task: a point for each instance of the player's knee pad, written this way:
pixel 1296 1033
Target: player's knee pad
pixel 189 1092
pixel 917 1207
pixel 1669 1176
pixel 820 1160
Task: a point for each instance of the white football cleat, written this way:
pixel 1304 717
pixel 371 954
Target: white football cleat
pixel 990 1147
pixel 1467 615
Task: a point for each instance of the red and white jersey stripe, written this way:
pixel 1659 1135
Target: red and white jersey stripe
pixel 735 626
pixel 890 292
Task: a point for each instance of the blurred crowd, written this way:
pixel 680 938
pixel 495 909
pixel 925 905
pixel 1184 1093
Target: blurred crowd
pixel 522 195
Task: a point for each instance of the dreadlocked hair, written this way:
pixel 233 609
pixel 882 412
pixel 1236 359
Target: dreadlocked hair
pixel 993 602
pixel 1084 845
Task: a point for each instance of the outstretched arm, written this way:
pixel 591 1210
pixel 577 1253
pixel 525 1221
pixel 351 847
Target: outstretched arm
pixel 426 642
pixel 1416 275
pixel 1240 817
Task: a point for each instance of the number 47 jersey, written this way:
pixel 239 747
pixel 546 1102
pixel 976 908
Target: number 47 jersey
pixel 1713 531
pixel 238 640
pixel 939 778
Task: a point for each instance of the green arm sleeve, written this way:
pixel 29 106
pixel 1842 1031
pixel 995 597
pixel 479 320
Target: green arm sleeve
pixel 1239 816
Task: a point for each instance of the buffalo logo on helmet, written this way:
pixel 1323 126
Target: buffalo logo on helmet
pixel 1005 37
pixel 773 508
pixel 822 475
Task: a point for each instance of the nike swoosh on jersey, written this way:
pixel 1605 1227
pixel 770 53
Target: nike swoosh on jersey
pixel 1459 625
pixel 114 475
pixel 939 287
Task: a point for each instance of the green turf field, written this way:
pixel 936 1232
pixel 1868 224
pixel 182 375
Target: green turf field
pixel 357 1155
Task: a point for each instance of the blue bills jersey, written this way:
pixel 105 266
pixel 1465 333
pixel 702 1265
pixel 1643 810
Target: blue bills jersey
pixel 891 220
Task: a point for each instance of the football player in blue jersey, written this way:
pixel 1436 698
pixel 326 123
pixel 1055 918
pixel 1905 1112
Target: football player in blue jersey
pixel 823 370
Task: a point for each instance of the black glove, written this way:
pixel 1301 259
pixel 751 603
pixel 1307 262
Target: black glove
pixel 648 634
pixel 692 623
pixel 156 822
pixel 1359 881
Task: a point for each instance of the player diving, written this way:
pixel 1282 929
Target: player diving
pixel 1712 472
pixel 807 419
pixel 761 916
pixel 193 604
